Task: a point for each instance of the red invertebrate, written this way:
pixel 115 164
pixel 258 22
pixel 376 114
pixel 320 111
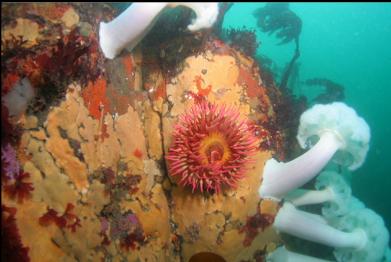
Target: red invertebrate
pixel 254 223
pixel 17 188
pixel 13 176
pixel 94 96
pixel 131 240
pixel 9 81
pixel 137 153
pixel 12 248
pixel 103 133
pixel 211 147
pixel 202 91
pixel 67 220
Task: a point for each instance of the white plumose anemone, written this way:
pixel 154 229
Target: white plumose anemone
pixel 131 26
pixel 377 236
pixel 360 235
pixel 341 133
pixel 297 223
pixel 332 131
pixel 333 192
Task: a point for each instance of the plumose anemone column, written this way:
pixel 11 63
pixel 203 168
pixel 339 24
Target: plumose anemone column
pixel 297 223
pixel 331 188
pixel 359 236
pixel 302 197
pixel 130 27
pixel 338 128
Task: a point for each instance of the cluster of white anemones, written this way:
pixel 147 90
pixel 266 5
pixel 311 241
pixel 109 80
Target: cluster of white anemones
pixel 356 232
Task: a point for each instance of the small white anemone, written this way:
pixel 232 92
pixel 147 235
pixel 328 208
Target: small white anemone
pixel 333 191
pixel 18 98
pixel 341 191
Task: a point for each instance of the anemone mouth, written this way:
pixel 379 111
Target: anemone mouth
pixel 211 147
pixel 214 149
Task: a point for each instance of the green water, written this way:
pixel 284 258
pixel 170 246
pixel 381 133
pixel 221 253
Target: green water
pixel 349 44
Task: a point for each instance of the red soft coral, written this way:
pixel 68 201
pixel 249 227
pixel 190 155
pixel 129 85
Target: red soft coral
pixel 67 220
pixel 52 216
pixel 254 223
pixel 72 220
pixel 12 248
pixel 18 189
pixel 14 177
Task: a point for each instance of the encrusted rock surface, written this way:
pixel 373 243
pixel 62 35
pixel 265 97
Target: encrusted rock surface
pixel 95 156
pixel 213 223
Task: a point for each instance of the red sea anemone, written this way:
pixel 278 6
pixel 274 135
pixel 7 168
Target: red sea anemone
pixel 211 147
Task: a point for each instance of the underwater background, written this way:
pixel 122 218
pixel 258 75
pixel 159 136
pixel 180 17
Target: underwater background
pixel 349 44
pixel 91 141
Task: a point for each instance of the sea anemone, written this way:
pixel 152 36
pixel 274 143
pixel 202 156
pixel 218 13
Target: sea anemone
pixel 377 236
pixel 359 236
pixel 342 135
pixel 342 202
pixel 18 99
pixel 334 212
pixel 331 188
pixel 357 233
pixel 297 223
pixel 129 28
pixel 211 147
pixel 333 193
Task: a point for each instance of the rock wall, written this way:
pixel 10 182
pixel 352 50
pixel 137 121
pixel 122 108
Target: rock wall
pixel 83 170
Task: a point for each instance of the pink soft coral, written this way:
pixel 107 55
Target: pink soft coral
pixel 10 165
pixel 14 185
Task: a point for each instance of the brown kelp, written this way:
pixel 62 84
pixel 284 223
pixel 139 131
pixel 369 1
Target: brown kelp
pixel 279 19
pixel 333 91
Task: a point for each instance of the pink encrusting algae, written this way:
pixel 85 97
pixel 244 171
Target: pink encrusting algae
pixel 211 147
